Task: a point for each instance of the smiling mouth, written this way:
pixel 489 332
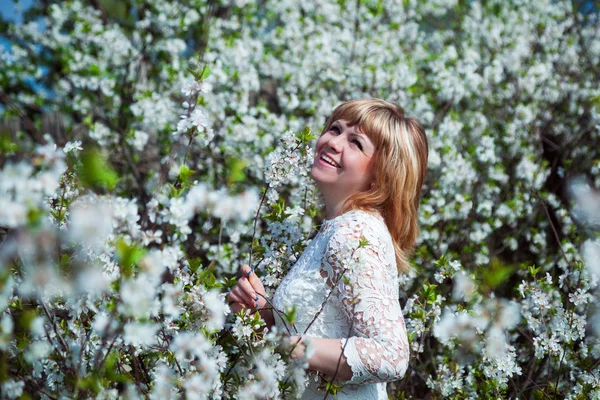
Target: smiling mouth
pixel 328 160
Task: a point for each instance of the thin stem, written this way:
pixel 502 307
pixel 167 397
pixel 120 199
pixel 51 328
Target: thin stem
pixel 569 304
pixel 337 368
pixel 334 286
pixel 254 228
pixel 187 150
pixel 273 308
pixel 58 335
pixel 107 352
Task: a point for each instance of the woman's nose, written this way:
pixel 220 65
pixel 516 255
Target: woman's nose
pixel 336 143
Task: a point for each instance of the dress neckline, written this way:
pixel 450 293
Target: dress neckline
pixel 376 214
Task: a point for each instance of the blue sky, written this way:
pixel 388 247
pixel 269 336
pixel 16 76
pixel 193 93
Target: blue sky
pixel 11 11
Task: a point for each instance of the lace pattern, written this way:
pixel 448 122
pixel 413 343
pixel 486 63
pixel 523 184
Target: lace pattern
pixel 347 277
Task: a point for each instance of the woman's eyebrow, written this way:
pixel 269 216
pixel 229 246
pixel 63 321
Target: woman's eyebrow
pixel 359 134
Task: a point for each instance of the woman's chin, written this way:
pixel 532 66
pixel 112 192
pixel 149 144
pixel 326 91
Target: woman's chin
pixel 317 175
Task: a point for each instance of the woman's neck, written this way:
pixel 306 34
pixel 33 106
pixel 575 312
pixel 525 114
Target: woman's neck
pixel 333 205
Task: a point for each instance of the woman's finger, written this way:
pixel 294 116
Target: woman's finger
pixel 245 285
pixel 232 297
pixel 253 279
pixel 256 283
pixel 237 307
pixel 242 297
pixel 245 270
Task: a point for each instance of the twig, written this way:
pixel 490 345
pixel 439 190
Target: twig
pixel 254 228
pixel 356 32
pixel 98 7
pixel 28 124
pixel 63 186
pixel 337 368
pixel 569 304
pixel 238 344
pixel 125 150
pixel 539 388
pixel 135 381
pixel 273 308
pixel 440 117
pixel 555 231
pixel 177 184
pixel 107 352
pixel 83 345
pixel 166 339
pixel 105 336
pixel 558 372
pixel 334 286
pixel 60 338
pixel 37 386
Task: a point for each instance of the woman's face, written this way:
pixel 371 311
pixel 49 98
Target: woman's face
pixel 342 160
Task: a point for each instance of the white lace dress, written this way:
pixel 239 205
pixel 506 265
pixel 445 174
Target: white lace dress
pixel 359 281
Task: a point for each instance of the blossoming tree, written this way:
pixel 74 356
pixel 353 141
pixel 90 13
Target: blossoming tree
pixel 149 148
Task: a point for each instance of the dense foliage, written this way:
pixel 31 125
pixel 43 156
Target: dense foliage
pixel 150 148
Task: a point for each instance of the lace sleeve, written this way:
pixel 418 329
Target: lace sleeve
pixel 366 278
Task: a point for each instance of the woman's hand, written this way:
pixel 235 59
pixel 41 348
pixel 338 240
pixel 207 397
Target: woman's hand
pixel 248 293
pixel 298 347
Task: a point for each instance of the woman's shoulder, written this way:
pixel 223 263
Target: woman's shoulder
pixel 359 229
pixel 358 224
pixel 358 216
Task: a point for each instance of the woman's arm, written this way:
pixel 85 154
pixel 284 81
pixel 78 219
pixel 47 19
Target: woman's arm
pixel 360 263
pixel 379 353
pixel 325 358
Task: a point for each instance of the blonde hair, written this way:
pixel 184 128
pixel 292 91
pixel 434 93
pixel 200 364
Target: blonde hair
pixel 399 166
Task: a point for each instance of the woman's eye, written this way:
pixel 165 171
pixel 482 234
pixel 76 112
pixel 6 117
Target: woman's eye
pixel 357 143
pixel 335 129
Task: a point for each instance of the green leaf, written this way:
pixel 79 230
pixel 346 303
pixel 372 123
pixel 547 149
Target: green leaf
pixel 363 242
pixel 27 318
pixel 65 263
pixel 235 168
pixel 88 121
pixel 305 136
pixel 175 191
pixel 90 383
pixel 496 273
pixel 533 270
pixel 34 217
pixel 205 73
pixel 333 388
pixel 442 261
pixel 191 71
pixel 94 70
pixel 7 146
pixel 229 283
pixel 195 263
pixel 207 278
pixel 95 170
pixel 201 75
pixel 184 173
pixel 595 100
pixel 290 314
pixel 278 212
pixel 128 256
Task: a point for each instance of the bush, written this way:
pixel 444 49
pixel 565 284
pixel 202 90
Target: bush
pixel 150 148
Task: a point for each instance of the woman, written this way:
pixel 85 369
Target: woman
pixel 369 164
